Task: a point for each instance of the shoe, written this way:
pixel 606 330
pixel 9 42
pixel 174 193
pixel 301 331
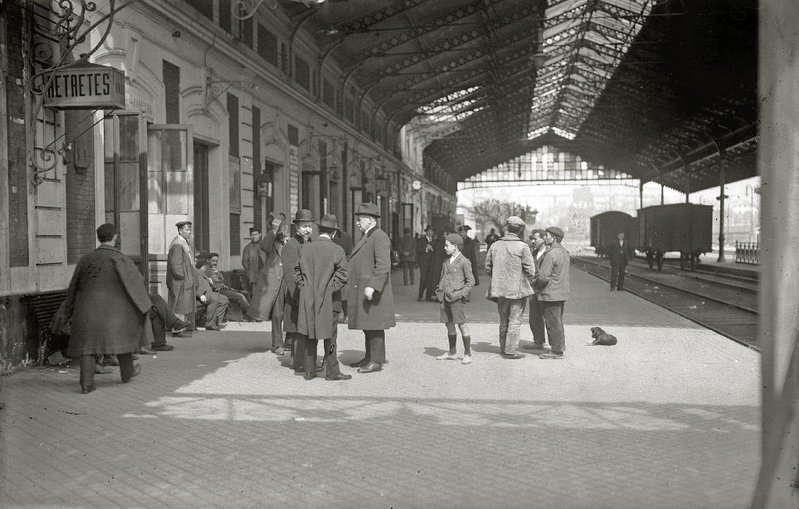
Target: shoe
pixel 212 327
pixel 467 359
pixel 338 376
pixel 100 370
pixel 309 376
pixel 619 289
pixel 87 390
pixel 537 348
pixel 110 360
pixel 145 351
pixel 279 350
pixel 222 325
pixel 361 363
pixel 551 355
pixel 516 355
pixel 447 357
pixel 372 367
pixel 184 334
pixel 320 367
pixel 163 348
pixel 180 326
pixel 136 372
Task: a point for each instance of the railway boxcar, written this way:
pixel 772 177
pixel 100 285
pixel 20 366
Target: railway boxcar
pixel 682 227
pixel 605 227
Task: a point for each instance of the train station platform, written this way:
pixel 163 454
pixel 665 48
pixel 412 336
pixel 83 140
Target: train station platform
pixel 668 418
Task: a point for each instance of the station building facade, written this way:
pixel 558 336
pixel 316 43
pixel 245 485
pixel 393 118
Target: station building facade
pixel 227 116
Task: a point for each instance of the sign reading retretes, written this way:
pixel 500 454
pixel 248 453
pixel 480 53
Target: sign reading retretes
pixel 86 86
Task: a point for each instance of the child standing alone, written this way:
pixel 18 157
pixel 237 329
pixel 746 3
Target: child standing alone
pixel 454 288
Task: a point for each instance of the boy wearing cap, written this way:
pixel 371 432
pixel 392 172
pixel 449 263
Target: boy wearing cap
pixel 552 290
pixel 453 291
pixel 320 273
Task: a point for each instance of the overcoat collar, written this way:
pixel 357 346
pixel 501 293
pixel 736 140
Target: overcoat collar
pixel 362 240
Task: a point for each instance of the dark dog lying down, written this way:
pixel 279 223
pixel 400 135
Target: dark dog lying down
pixel 601 337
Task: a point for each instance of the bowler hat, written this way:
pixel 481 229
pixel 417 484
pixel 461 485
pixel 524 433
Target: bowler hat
pixel 303 216
pixel 367 209
pixel 328 221
pixel 181 224
pixel 554 230
pixel 255 229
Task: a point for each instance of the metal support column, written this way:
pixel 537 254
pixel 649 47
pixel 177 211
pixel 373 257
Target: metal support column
pixel 721 198
pixel 778 482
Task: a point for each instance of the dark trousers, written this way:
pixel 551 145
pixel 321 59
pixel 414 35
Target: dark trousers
pixel 237 298
pixel 87 363
pixel 617 271
pixel 553 318
pixel 296 343
pixel 537 321
pixel 408 272
pixel 426 280
pixel 375 345
pixel 330 362
pixel 277 325
pixel 162 319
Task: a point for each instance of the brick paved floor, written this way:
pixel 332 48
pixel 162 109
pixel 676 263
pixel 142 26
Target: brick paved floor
pixel 667 418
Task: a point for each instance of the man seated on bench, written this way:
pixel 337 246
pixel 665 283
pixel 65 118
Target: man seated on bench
pixel 210 269
pixel 211 304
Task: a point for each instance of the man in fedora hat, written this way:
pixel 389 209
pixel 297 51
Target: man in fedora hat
pixel 321 273
pixel 552 290
pixel 468 250
pixel 181 274
pixel 303 222
pixel 370 301
pixel 427 269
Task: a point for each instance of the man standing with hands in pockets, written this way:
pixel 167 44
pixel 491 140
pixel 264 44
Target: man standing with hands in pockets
pixel 370 300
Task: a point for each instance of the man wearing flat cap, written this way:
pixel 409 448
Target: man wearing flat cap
pixel 303 222
pixel 180 274
pixel 511 267
pixel 552 290
pixel 468 250
pixel 321 272
pixel 370 300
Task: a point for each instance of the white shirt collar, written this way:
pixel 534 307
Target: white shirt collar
pixel 454 257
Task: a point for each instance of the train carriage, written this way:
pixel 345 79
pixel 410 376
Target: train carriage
pixel 607 225
pixel 682 227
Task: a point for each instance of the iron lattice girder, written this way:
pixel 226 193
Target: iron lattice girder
pixel 450 44
pixel 382 49
pixel 390 11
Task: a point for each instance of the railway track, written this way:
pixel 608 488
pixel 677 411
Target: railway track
pixel 726 307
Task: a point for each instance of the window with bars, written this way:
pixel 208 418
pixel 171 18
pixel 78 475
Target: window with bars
pixel 233 124
pixel 225 18
pixel 302 73
pixel 171 76
pixel 267 45
pixel 329 94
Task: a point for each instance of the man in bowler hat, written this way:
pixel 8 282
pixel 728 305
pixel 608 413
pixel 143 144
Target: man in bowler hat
pixel 321 272
pixel 303 222
pixel 370 300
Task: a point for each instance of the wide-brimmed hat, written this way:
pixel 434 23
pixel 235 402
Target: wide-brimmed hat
pixel 181 224
pixel 303 216
pixel 367 209
pixel 554 230
pixel 329 221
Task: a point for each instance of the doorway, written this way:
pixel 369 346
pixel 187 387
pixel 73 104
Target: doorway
pixel 201 228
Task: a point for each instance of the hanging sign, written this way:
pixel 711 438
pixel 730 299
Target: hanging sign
pixel 86 87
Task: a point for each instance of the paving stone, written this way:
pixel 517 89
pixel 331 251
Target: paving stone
pixel 667 418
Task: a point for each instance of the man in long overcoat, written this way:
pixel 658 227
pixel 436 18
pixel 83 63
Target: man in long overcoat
pixel 468 250
pixel 303 221
pixel 267 298
pixel 108 304
pixel 253 259
pixel 181 275
pixel 427 269
pixel 321 272
pixel 370 300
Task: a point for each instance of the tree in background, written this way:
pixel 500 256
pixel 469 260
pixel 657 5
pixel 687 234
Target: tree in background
pixel 496 212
